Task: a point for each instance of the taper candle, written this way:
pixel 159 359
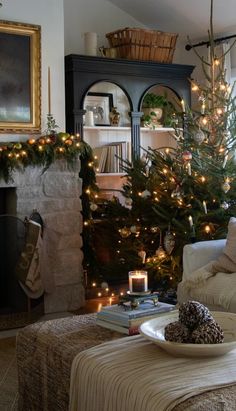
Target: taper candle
pixel 190 219
pixel 49 91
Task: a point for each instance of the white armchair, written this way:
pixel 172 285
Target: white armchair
pixel 218 292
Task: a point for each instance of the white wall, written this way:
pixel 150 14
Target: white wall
pixel 49 15
pixel 99 16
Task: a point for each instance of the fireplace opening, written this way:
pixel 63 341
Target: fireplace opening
pixel 12 240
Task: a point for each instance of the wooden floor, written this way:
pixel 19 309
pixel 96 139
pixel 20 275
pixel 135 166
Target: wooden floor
pixel 95 305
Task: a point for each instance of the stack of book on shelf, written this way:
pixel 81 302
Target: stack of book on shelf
pixel 127 321
pixel 110 156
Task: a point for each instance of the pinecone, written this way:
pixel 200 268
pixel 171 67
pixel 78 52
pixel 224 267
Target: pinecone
pixel 208 333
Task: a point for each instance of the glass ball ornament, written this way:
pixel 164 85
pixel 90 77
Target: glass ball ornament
pixel 145 194
pixel 199 136
pixel 224 205
pixel 225 186
pixel 124 232
pixel 128 202
pixel 154 229
pixel 187 155
pixel 93 207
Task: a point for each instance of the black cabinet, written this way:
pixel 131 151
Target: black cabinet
pixel 135 78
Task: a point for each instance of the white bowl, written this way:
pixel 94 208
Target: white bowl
pixel 153 330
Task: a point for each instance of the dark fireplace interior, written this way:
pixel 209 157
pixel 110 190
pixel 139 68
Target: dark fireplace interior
pixel 12 239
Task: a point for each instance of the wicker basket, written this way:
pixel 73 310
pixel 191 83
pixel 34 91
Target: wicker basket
pixel 141 44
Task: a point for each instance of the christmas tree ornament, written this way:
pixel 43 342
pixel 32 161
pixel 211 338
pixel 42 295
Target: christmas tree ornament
pixel 145 194
pixel 199 136
pixel 224 205
pixel 93 206
pixel 128 202
pixel 135 229
pixel 187 155
pixel 124 232
pixel 154 229
pixel 225 186
pixel 142 255
pixel 169 242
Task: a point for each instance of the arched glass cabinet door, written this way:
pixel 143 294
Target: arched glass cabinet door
pixel 162 109
pixel 107 130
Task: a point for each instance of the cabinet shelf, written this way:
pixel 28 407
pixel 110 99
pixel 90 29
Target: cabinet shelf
pixel 110 174
pixel 107 128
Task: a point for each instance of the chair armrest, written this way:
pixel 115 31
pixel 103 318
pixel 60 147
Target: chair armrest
pixel 199 254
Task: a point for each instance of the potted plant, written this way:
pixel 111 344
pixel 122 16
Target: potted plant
pixel 153 107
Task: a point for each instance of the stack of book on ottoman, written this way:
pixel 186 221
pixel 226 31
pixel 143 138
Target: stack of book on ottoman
pixel 127 321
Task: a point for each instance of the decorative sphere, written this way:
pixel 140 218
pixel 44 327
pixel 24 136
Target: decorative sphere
pixel 225 187
pixel 124 232
pixel 187 156
pixel 145 194
pixel 199 136
pixel 225 205
pixel 93 206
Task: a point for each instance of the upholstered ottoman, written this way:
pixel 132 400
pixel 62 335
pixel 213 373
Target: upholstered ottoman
pixel 45 352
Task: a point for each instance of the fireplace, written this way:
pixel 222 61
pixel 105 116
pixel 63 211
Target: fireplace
pixel 55 194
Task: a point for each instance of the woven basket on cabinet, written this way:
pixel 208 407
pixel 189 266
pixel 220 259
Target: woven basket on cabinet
pixel 142 44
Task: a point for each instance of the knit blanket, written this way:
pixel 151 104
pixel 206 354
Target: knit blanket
pixel 134 374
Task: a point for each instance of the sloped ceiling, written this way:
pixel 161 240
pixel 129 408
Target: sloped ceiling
pixel 186 17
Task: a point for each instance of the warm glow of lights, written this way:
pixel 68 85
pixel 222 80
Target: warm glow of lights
pixel 96 196
pixel 118 251
pixel 87 191
pixel 23 153
pixel 221 150
pixel 77 135
pixel 156 199
pixel 195 87
pixel 48 140
pixel 86 223
pixel 204 121
pixel 99 294
pixel 219 111
pixel 203 179
pixel 10 155
pixel 121 293
pixel 222 87
pixel 171 278
pixel 90 164
pixel 77 144
pixel 17 155
pixel 207 229
pixel 61 149
pixel 40 148
pixel 32 141
pixel 139 194
pixel 167 150
pixel 95 157
pixel 94 284
pixel 165 171
pixel 112 294
pixel 216 62
pixel 107 289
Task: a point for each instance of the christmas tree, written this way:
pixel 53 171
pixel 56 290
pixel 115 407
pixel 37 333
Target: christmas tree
pixel 179 195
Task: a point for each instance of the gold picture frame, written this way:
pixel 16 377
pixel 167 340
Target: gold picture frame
pixel 20 77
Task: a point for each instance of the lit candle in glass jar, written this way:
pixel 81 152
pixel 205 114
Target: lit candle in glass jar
pixel 138 281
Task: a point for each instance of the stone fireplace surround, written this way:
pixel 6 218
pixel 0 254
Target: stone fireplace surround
pixel 55 194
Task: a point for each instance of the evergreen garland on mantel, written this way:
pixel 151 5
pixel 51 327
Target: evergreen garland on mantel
pixel 40 152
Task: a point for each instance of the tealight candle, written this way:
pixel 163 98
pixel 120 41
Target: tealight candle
pixel 138 281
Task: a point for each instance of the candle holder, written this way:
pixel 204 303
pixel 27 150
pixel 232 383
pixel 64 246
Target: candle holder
pixel 138 282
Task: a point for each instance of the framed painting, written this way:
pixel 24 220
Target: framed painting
pixel 20 77
pixel 100 104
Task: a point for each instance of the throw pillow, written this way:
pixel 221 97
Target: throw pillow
pixel 226 263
